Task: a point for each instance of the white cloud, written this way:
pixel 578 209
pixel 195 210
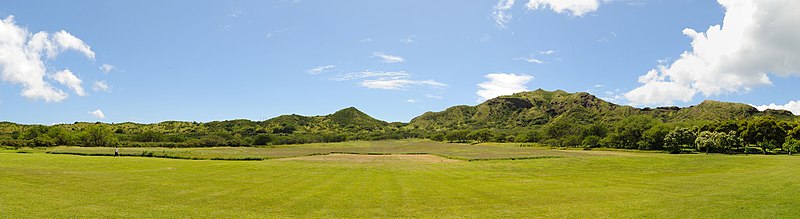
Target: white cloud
pixel 399 84
pixel 101 86
pixel 502 84
pixel 67 41
pixel 433 96
pixel 547 52
pixel 485 38
pixel 500 15
pixel 21 56
pixel 411 101
pixel 793 106
pixel 371 74
pixel 388 58
pixel 612 96
pixel 756 38
pixel 367 40
pixel 409 39
pixel 98 114
pixel 320 69
pixel 397 80
pixel 275 33
pixel 236 13
pixel 573 7
pixel 532 57
pixel 530 60
pixel 106 68
pixel 66 77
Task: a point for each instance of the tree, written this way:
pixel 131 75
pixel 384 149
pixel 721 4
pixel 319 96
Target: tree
pixel 561 127
pixel 457 136
pixel 60 136
pixel 791 145
pixel 653 138
pixel 480 135
pixel 678 139
pixel 33 132
pixel 591 141
pixel 707 140
pixel 767 133
pixel 628 132
pixel 149 136
pixel 97 135
pixel 529 136
pixel 44 141
pixel 262 139
pixel 729 141
pixel 437 137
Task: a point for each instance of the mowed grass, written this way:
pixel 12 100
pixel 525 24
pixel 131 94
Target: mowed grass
pixel 616 184
pixel 455 151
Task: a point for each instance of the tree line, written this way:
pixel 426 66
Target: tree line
pixel 757 135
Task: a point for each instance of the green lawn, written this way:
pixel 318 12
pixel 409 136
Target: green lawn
pixel 456 151
pixel 586 185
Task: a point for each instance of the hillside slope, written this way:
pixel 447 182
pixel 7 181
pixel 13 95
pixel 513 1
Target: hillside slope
pixel 539 107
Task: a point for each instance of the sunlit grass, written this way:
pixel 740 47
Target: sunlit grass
pixel 588 185
pixel 455 151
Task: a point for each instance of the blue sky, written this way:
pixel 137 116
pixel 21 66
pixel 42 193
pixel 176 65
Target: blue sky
pixel 220 60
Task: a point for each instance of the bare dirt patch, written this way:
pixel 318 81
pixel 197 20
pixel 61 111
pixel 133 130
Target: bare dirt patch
pixel 606 153
pixel 358 158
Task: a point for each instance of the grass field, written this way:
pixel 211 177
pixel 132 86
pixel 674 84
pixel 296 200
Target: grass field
pixel 454 151
pixel 576 184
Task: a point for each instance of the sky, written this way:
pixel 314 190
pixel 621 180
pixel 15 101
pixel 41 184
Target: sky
pixel 152 61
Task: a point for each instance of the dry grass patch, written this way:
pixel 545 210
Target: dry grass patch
pixel 359 158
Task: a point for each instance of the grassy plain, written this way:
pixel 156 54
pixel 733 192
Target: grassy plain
pixel 577 184
pixel 455 151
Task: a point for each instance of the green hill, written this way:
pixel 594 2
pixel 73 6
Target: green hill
pixel 539 107
pixel 532 116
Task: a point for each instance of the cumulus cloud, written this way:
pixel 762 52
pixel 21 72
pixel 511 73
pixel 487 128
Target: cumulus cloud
pixel 502 84
pixel 320 69
pixel 393 80
pixel 66 77
pixel 388 58
pixel 106 68
pixel 98 114
pixel 793 106
pixel 101 86
pixel 573 7
pixel 756 38
pixel 500 15
pixel 21 56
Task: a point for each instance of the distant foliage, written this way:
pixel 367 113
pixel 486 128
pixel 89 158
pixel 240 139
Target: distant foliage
pixel 558 119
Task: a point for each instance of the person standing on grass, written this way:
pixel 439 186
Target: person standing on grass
pixel 116 151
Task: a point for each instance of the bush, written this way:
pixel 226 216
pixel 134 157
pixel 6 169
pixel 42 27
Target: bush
pixel 437 137
pixel 262 139
pixel 591 141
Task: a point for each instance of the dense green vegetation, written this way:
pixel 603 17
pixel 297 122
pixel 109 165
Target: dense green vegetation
pixel 581 120
pixel 584 184
pixel 554 118
pixel 346 124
